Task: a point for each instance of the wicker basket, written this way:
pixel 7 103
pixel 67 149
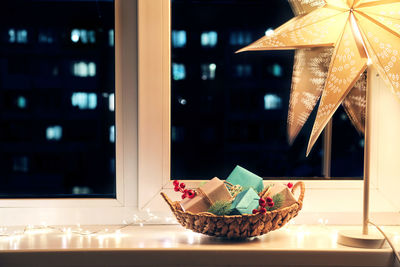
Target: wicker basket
pixel 237 226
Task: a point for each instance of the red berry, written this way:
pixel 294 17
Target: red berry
pixel 262 202
pixel 263 210
pixel 190 193
pixel 290 185
pixel 176 188
pixel 255 211
pixel 176 183
pixel 182 185
pixel 269 199
pixel 183 196
pixel 271 204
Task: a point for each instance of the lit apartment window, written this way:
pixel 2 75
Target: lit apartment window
pixel 208 71
pixel 91 36
pixel 112 134
pixel 83 100
pixel 111 37
pixel 18 36
pixel 12 36
pixel 178 71
pixel 83 36
pixel 209 39
pixel 276 70
pixel 178 39
pixel 21 102
pixel 84 69
pixel 54 132
pixel 272 101
pixel 75 34
pixel 111 102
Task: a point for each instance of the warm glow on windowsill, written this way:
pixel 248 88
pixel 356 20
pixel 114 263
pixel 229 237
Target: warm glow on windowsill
pixel 287 246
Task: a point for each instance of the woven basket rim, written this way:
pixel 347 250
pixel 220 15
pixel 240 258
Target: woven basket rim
pixel 299 203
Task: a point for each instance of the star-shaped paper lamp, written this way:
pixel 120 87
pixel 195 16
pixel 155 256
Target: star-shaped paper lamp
pixel 360 32
pixel 309 75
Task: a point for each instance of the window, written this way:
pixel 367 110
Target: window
pixel 178 71
pixel 275 70
pixel 58 135
pixel 84 69
pixel 84 36
pixel 242 121
pixel 84 204
pixel 178 38
pixel 208 71
pixel 155 149
pixel 84 100
pixel 238 38
pixel 18 36
pixel 54 132
pixel 209 39
pixel 272 101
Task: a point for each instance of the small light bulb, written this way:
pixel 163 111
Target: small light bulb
pixel 269 32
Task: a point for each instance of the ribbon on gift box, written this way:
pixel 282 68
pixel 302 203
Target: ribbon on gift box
pixel 204 195
pixel 207 195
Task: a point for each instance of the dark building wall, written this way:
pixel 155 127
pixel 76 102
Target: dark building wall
pixel 37 81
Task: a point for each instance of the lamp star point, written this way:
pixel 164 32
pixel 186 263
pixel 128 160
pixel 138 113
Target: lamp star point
pixel 335 42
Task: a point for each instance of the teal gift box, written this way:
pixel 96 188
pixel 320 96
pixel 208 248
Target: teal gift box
pixel 245 202
pixel 245 178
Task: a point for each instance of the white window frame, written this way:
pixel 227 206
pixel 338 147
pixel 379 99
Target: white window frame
pixel 97 210
pixel 333 201
pixel 143 141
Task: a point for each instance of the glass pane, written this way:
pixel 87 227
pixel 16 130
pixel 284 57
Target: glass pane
pixel 231 109
pixel 57 99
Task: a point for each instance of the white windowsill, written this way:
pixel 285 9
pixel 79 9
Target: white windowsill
pixel 172 245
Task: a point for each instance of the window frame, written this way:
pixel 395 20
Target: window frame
pixel 92 210
pixel 154 135
pixel 142 49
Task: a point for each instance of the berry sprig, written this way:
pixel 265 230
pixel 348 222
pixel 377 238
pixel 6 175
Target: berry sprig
pixel 180 187
pixel 263 203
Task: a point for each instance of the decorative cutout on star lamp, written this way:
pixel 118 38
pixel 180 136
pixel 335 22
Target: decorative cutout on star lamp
pixel 357 30
pixel 310 70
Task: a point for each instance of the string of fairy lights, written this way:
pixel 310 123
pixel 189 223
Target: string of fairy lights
pixel 79 230
pixel 149 219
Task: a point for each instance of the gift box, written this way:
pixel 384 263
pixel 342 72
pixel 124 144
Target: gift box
pixel 287 197
pixel 245 202
pixel 245 178
pixel 206 195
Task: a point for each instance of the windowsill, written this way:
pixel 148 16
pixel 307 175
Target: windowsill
pixel 172 245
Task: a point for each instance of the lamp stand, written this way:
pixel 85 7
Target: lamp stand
pixel 363 238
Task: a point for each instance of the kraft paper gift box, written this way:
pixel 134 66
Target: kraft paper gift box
pixel 206 195
pixel 245 202
pixel 287 197
pixel 241 176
